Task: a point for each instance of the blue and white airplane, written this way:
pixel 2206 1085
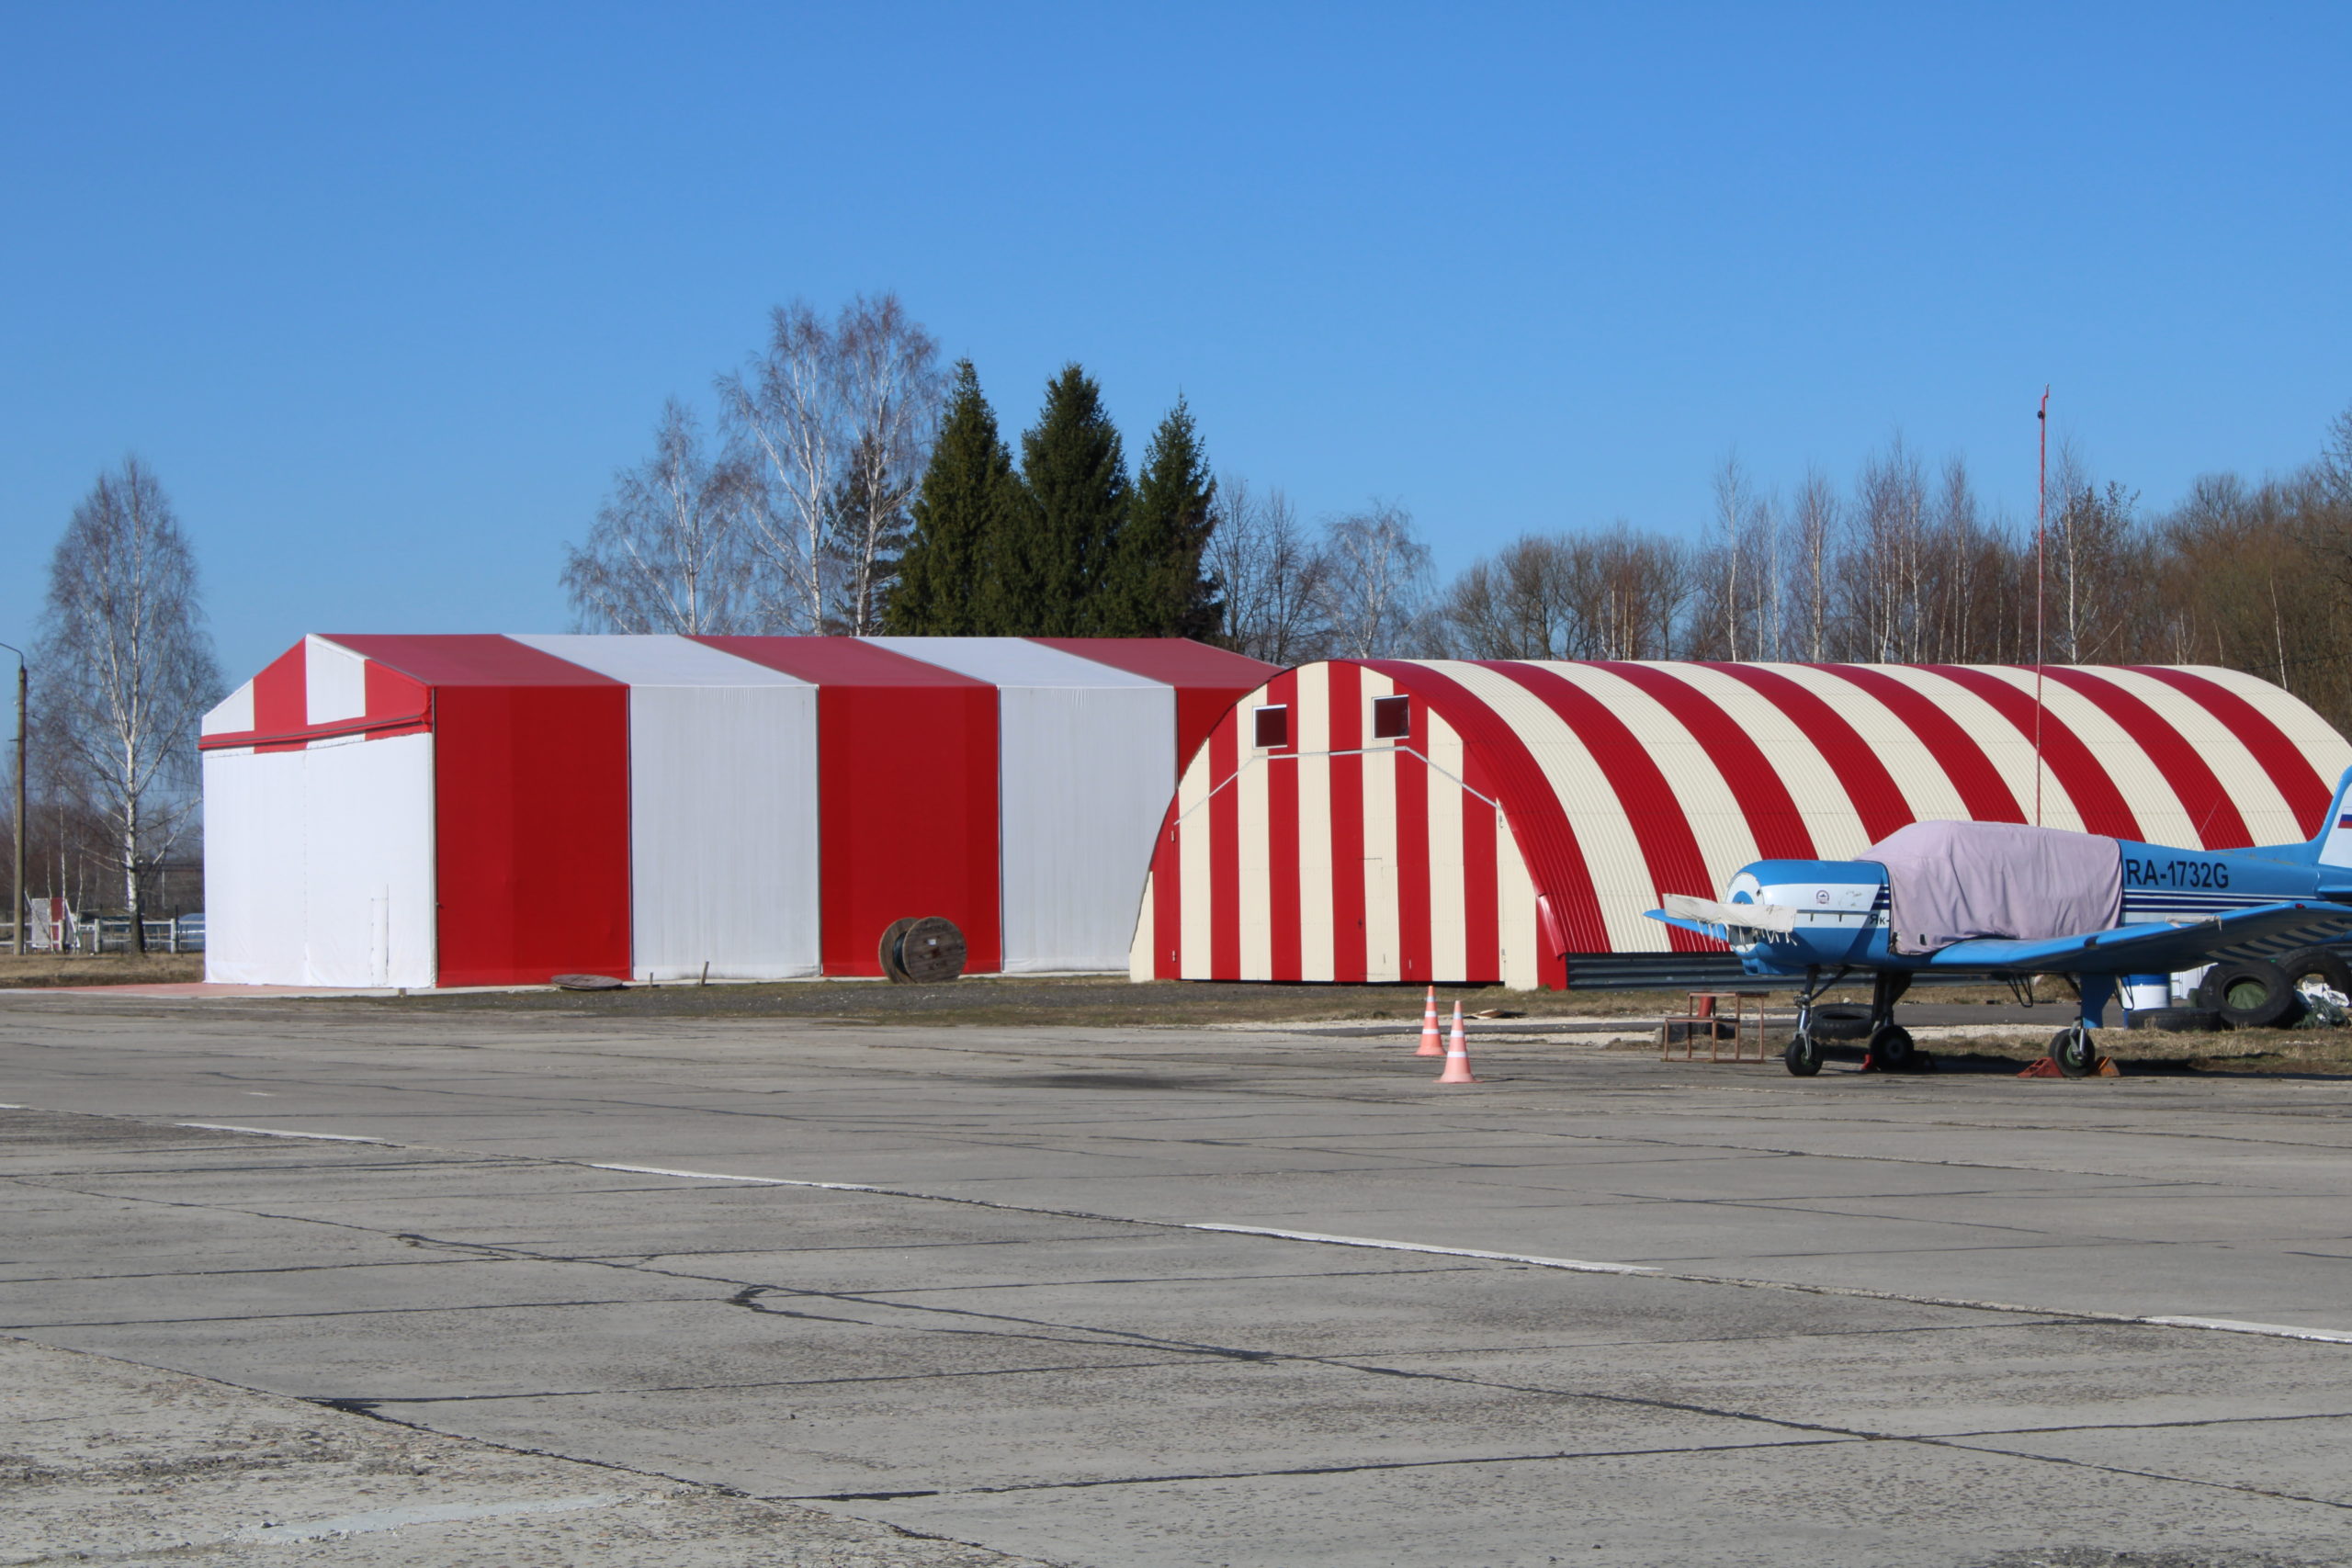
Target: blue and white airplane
pixel 1825 920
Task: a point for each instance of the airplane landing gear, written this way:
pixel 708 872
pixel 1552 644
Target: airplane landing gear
pixel 1803 1057
pixel 1891 1049
pixel 1803 1052
pixel 2074 1051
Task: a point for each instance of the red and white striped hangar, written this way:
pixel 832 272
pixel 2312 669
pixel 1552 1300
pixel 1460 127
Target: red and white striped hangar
pixel 1433 820
pixel 495 810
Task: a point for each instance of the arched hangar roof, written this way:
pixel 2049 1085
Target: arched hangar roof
pixel 1619 781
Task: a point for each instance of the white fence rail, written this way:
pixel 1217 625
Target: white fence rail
pixel 90 934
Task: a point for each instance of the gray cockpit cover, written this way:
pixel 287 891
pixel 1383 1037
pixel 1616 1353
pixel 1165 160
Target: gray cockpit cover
pixel 1950 880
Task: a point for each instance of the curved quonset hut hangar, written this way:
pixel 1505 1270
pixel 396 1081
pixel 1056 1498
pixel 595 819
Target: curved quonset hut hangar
pixel 1411 820
pixel 495 810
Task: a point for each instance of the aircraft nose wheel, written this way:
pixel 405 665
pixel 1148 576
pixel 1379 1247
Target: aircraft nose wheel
pixel 2074 1051
pixel 1803 1057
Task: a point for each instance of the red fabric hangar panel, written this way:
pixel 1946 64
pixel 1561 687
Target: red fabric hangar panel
pixel 531 829
pixel 907 794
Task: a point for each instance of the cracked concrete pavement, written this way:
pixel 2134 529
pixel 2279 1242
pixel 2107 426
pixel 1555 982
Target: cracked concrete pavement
pixel 955 1281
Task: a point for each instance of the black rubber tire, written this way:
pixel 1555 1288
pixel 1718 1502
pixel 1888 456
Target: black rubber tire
pixel 1803 1057
pixel 1891 1050
pixel 2074 1051
pixel 2250 993
pixel 2177 1021
pixel 1841 1020
pixel 2322 964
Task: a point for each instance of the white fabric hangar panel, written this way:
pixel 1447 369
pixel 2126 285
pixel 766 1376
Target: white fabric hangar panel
pixel 1086 754
pixel 723 826
pixel 252 863
pixel 1084 784
pixel 318 864
pixel 367 915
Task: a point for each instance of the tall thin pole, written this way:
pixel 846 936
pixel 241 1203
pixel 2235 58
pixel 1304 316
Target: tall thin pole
pixel 16 911
pixel 2041 521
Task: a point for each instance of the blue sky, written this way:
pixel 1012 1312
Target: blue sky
pixel 385 294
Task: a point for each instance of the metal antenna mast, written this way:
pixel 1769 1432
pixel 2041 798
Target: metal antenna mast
pixel 2040 519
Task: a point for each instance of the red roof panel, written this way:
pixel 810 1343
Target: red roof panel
pixel 470 660
pixel 1178 661
pixel 838 661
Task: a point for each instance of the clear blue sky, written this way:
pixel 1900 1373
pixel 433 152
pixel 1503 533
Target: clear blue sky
pixel 386 293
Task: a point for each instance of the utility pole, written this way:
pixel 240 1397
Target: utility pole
pixel 16 911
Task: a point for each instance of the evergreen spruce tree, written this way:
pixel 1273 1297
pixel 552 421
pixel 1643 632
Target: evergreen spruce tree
pixel 969 502
pixel 1075 475
pixel 1154 586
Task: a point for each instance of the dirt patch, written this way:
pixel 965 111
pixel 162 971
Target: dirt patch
pixel 112 969
pixel 1023 999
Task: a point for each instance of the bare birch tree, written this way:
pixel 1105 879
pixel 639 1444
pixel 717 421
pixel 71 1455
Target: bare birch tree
pixel 1375 582
pixel 890 403
pixel 786 412
pixel 1732 505
pixel 835 419
pixel 1268 571
pixel 1881 586
pixel 668 552
pixel 1815 526
pixel 126 670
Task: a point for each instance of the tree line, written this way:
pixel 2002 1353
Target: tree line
pixel 857 488
pixel 1906 565
pixel 854 488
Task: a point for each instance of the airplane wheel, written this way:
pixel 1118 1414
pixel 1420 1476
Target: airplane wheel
pixel 2073 1052
pixel 1891 1050
pixel 1803 1057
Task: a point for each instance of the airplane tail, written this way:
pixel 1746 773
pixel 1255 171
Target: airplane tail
pixel 2334 844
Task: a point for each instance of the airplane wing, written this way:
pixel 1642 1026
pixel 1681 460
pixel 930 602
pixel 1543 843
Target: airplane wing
pixel 1736 923
pixel 1755 917
pixel 2157 945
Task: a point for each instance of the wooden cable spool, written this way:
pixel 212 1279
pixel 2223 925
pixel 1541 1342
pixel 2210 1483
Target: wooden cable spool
pixel 889 951
pixel 931 950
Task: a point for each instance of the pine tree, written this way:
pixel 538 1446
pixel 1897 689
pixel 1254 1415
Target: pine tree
pixel 1075 475
pixel 968 503
pixel 1154 586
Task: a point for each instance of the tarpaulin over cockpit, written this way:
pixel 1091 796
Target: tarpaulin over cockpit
pixel 1950 881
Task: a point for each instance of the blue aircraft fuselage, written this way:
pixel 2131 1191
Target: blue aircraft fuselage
pixel 1840 906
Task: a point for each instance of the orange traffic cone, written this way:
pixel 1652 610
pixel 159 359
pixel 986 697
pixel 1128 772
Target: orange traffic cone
pixel 1457 1054
pixel 1429 1046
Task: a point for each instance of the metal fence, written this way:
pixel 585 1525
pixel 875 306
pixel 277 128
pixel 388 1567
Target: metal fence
pixel 111 933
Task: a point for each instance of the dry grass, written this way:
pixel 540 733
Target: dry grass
pixel 113 969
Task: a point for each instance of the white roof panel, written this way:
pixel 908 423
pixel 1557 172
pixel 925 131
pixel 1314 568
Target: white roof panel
pixel 1013 661
pixel 658 660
